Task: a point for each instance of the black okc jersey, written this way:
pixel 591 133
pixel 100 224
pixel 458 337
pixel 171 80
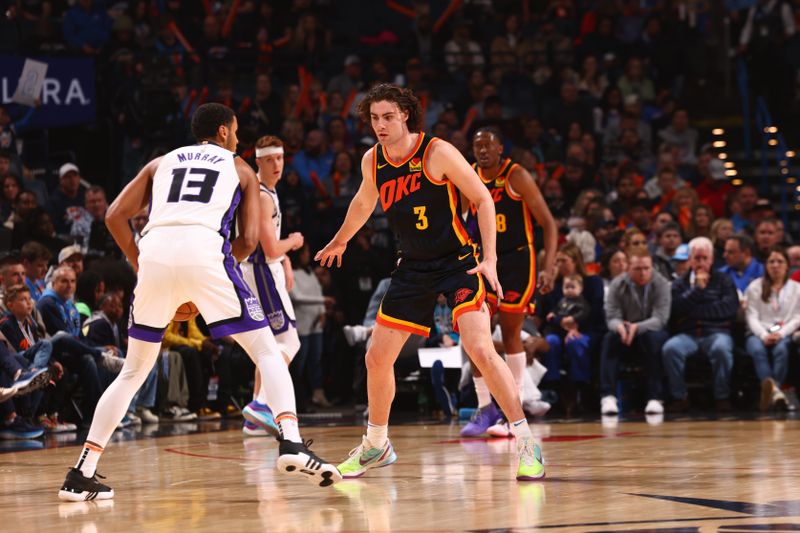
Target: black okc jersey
pixel 422 214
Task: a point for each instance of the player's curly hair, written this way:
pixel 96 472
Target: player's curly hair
pixel 404 98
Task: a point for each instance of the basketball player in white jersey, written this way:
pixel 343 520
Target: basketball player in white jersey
pixel 185 255
pixel 268 273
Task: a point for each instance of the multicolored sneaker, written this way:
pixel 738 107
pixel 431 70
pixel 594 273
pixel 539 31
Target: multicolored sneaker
pixel 261 415
pixel 365 456
pixel 253 430
pixel 531 464
pixel 483 419
pixel 296 459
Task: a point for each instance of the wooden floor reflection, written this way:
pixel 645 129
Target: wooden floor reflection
pixel 677 476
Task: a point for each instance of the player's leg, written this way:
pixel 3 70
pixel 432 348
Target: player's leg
pixel 154 303
pixel 375 449
pixel 477 341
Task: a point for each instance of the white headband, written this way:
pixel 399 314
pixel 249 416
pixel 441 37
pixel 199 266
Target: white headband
pixel 269 150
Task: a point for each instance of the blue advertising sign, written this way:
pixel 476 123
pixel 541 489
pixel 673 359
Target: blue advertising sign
pixel 68 96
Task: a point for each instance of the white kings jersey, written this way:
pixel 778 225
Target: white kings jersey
pixel 195 186
pixel 259 256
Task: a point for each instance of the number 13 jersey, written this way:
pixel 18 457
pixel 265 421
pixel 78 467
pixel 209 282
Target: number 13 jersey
pixel 195 185
pixel 422 214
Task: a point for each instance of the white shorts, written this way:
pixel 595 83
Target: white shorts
pixel 268 282
pixel 190 264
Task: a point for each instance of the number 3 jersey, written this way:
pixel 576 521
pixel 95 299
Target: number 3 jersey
pixel 422 214
pixel 195 185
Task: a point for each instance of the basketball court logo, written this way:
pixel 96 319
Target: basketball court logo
pixel 462 295
pixel 415 165
pixel 254 308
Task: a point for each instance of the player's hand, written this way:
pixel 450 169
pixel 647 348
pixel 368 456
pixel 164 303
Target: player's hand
pixel 488 268
pixel 333 250
pixel 546 281
pixel 297 240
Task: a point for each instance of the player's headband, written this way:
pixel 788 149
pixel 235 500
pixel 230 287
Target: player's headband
pixel 269 150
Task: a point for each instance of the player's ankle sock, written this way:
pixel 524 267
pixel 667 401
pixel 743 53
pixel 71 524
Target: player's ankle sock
pixel 516 362
pixel 482 390
pixel 520 428
pixel 87 462
pixel 287 423
pixel 377 435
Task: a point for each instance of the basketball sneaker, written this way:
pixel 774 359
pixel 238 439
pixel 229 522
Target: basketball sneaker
pixel 253 430
pixel 499 430
pixel 483 419
pixel 30 380
pixel 261 415
pixel 78 488
pixel 531 463
pixel 365 456
pixel 296 459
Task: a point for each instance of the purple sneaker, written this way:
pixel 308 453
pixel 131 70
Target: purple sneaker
pixel 261 415
pixel 483 419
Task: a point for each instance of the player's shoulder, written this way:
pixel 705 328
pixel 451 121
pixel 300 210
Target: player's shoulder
pixel 369 155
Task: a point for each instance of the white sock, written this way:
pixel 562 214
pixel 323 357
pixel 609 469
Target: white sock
pixel 87 462
pixel 287 423
pixel 377 435
pixel 261 394
pixel 276 382
pixel 115 400
pixel 482 390
pixel 520 429
pixel 516 362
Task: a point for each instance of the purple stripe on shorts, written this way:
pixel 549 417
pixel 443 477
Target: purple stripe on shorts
pixel 251 316
pixel 270 298
pixel 146 334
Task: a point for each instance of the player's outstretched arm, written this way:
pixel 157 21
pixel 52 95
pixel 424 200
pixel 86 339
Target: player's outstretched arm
pixel 524 185
pixel 444 160
pixel 361 207
pixel 133 198
pixel 249 212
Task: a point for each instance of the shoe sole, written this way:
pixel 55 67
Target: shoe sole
pixel 531 478
pixel 35 384
pixel 85 496
pixel 320 474
pixel 253 419
pixel 499 434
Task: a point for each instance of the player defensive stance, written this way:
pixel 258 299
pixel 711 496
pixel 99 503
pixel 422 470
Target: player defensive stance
pixel 185 255
pixel 417 180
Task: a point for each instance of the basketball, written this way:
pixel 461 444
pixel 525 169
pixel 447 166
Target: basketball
pixel 186 311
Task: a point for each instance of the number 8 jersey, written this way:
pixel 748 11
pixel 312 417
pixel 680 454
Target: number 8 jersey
pixel 195 185
pixel 422 214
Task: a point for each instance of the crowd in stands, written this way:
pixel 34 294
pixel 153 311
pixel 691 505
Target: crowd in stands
pixel 661 257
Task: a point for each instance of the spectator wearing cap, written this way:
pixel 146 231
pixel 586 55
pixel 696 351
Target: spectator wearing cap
pixel 87 28
pixel 704 307
pixel 680 260
pixel 714 188
pixel 765 237
pixel 350 79
pixel 740 264
pixel 67 200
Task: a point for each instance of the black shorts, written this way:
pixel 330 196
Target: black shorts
pixel 516 270
pixel 409 303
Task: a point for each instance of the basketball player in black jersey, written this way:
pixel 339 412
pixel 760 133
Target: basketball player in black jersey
pixel 517 200
pixel 419 181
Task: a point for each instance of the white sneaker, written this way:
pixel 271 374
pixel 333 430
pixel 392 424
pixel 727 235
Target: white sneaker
pixel 148 417
pixel 538 370
pixel 355 334
pixel 654 407
pixel 608 405
pixel 500 430
pixel 779 400
pixel 536 407
pixel 134 418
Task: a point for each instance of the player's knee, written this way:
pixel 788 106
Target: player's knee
pixel 481 354
pixel 289 343
pixel 377 362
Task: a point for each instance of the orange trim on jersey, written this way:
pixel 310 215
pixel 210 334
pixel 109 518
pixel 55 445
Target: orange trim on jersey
pixel 403 325
pixel 511 194
pixel 503 167
pixel 375 164
pixel 472 305
pixel 424 158
pixel 409 156
pixel 458 227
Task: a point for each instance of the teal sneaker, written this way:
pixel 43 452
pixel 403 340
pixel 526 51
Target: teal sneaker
pixel 531 463
pixel 364 456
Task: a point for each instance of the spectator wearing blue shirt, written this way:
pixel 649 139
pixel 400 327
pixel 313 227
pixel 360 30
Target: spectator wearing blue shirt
pixel 35 257
pixel 740 264
pixel 314 161
pixel 86 27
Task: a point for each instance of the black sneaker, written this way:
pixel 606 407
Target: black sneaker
pixel 295 458
pixel 79 488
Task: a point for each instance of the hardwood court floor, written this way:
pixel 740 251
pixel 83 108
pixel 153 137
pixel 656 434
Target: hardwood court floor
pixel 677 476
